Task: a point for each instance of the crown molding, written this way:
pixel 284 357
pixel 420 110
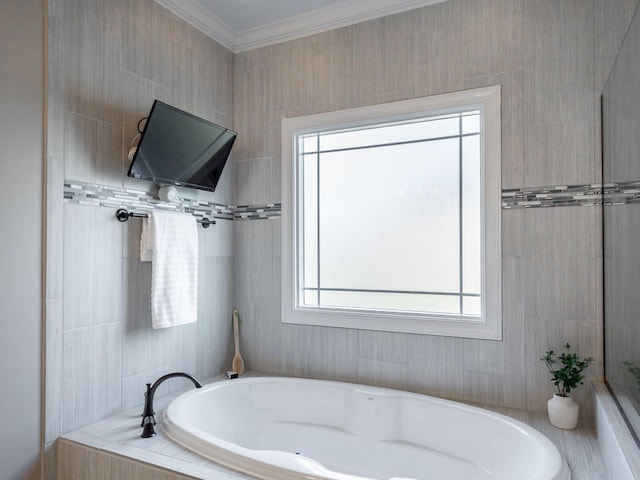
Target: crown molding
pixel 199 17
pixel 316 21
pixel 322 20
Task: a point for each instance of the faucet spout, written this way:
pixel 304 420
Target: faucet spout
pixel 148 415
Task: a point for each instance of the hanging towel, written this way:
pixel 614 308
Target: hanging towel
pixel 170 241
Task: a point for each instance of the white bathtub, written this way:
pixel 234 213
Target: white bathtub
pixel 292 429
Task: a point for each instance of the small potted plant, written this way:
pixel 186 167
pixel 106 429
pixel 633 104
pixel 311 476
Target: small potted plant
pixel 566 370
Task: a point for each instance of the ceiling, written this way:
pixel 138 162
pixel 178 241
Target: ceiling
pixel 242 25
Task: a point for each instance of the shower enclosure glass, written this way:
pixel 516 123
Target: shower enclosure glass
pixel 621 227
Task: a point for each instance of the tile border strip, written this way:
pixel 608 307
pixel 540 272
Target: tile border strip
pixel 258 212
pixel 586 195
pixel 138 201
pixel 554 196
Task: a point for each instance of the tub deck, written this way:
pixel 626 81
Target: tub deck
pixel 117 440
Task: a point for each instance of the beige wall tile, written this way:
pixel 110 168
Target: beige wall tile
pixel 495 389
pixel 111 60
pixel 93 150
pixel 382 374
pixel 544 59
pixel 435 365
pixel 559 67
pixel 92 267
pixel 480 48
pixel 54 228
pixel 92 59
pixel 54 364
pixel 91 379
pixel 77 462
pixel 561 281
pixel 513 126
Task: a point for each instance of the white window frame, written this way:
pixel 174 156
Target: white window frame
pixel 489 325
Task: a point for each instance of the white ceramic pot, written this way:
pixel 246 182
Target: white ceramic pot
pixel 563 412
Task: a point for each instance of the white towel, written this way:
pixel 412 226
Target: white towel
pixel 170 241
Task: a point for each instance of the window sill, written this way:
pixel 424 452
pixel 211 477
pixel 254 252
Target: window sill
pixel 403 323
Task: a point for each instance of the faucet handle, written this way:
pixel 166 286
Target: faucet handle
pixel 148 430
pixel 148 408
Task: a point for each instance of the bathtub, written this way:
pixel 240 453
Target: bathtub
pixel 293 429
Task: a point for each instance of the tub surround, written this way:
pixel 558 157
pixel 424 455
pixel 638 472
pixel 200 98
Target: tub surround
pixel 619 450
pixel 116 441
pixel 295 428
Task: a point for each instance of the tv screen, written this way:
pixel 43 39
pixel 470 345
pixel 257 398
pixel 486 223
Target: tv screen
pixel 178 148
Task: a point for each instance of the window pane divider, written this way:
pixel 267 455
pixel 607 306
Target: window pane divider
pixel 392 144
pixel 408 292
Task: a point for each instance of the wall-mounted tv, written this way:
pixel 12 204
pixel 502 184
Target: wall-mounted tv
pixel 178 148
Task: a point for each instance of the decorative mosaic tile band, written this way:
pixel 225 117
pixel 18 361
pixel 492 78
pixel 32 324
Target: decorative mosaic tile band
pixel 556 196
pixel 258 212
pixel 621 193
pixel 139 202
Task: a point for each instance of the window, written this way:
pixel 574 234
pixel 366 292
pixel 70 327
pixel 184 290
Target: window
pixel 391 216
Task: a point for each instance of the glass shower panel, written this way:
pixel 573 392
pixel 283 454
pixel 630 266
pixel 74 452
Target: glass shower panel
pixel 621 226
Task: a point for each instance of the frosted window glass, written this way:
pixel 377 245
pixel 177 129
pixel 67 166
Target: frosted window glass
pixel 435 127
pixel 392 301
pixel 389 218
pixel 309 143
pixel 311 298
pixel 471 306
pixel 471 215
pixel 310 221
pixel 471 123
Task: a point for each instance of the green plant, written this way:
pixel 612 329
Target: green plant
pixel 633 370
pixel 566 369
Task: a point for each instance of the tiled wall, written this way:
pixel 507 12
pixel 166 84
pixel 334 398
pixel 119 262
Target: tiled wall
pixel 621 143
pixel 552 59
pixel 618 446
pixel 108 61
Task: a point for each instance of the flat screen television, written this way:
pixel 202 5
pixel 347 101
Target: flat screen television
pixel 178 148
